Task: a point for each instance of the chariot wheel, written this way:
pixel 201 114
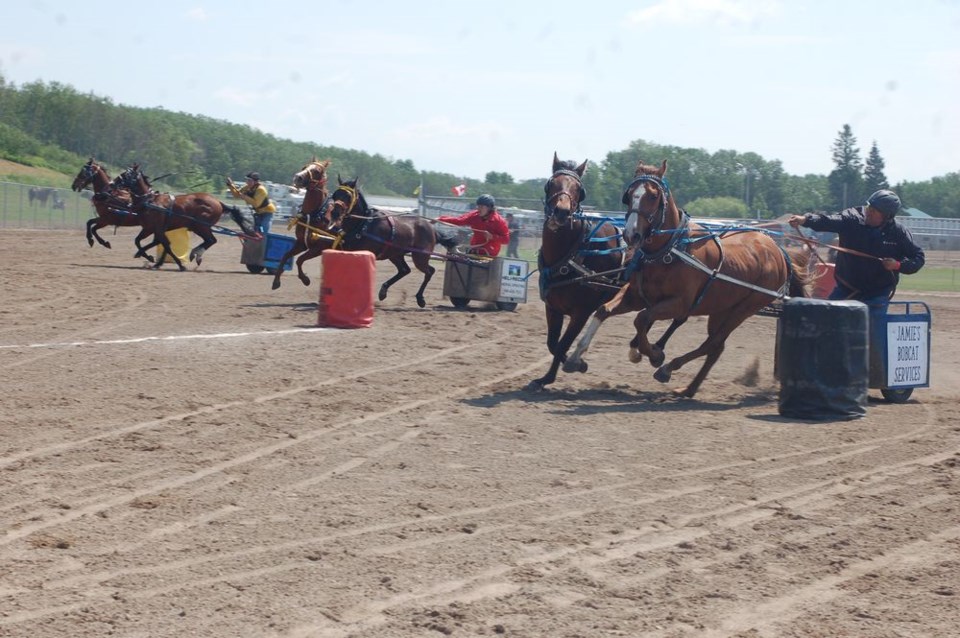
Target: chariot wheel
pixel 508 306
pixel 459 302
pixel 894 395
pixel 255 268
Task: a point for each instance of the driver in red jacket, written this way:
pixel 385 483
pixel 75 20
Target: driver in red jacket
pixel 490 230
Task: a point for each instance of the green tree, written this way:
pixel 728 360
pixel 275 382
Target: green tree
pixel 873 176
pixel 846 180
pixel 728 207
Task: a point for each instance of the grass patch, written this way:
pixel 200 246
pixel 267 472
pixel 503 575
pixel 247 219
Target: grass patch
pixel 932 280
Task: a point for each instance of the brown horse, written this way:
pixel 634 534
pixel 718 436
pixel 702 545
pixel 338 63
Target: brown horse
pixel 111 202
pixel 161 212
pixel 310 221
pixel 579 262
pixel 680 269
pixel 386 236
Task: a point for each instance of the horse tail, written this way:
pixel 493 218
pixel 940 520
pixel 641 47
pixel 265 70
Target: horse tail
pixel 238 217
pixel 449 239
pixel 802 273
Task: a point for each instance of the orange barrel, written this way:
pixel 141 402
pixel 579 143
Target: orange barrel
pixel 346 288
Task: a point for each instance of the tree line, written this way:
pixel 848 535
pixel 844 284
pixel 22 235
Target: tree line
pixel 55 126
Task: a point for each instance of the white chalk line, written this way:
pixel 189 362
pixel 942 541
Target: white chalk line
pixel 112 342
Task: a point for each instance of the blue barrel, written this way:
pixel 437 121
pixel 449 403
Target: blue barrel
pixel 823 359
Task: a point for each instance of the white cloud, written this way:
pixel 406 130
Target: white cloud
pixel 198 14
pixel 725 12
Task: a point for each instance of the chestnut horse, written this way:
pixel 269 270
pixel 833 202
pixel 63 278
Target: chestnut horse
pixel 386 236
pixel 160 212
pixel 311 233
pixel 579 262
pixel 680 269
pixel 111 202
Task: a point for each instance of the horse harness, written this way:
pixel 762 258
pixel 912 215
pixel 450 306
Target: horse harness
pixel 363 230
pixel 678 246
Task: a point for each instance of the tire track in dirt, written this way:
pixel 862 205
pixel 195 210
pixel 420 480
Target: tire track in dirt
pixel 606 549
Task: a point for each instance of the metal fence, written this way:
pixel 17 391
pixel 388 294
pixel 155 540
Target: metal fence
pixel 40 207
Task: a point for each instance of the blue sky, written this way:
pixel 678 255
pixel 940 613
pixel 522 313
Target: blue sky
pixel 468 88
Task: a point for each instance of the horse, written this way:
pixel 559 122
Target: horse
pixel 111 202
pixel 311 237
pixel 161 212
pixel 39 195
pixel 389 237
pixel 579 262
pixel 680 269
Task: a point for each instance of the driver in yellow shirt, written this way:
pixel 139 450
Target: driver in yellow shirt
pixel 255 194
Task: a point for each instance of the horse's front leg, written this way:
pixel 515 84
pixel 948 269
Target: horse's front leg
pixel 402 271
pixel 92 226
pixel 144 232
pixel 554 328
pixel 624 301
pixel 310 254
pixel 283 262
pixel 560 347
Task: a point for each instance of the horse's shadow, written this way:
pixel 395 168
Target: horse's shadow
pixel 593 401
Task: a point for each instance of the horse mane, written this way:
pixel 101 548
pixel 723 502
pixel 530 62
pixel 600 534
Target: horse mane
pixel 649 169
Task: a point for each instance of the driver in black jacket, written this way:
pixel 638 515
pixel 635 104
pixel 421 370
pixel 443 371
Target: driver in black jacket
pixel 873 230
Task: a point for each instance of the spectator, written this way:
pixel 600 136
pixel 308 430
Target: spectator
pixel 514 226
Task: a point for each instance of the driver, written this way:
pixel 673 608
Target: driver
pixel 883 249
pixel 490 230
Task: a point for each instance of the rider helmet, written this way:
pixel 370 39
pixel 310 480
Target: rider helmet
pixel 253 175
pixel 885 201
pixel 487 200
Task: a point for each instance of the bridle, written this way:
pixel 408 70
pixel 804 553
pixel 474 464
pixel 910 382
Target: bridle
pixel 632 201
pixel 550 203
pixel 348 207
pixel 315 183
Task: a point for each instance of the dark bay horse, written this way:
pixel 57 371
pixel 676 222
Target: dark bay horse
pixel 579 262
pixel 160 212
pixel 311 232
pixel 111 202
pixel 680 269
pixel 389 237
pixel 39 195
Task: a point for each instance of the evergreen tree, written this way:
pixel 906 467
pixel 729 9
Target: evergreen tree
pixel 873 176
pixel 846 180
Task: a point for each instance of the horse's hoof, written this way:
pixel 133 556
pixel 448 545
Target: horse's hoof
pixel 421 302
pixel 275 285
pixel 90 241
pixel 149 258
pixel 304 280
pixel 575 365
pixel 382 295
pixel 662 375
pixel 106 244
pixel 537 385
pixel 657 356
pixel 634 355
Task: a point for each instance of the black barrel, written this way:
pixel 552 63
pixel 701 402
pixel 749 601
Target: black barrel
pixel 823 359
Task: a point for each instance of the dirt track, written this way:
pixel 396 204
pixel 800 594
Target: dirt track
pixel 196 462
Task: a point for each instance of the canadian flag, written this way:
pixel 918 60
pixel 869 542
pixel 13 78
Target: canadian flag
pixel 459 190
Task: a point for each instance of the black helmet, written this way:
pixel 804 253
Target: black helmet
pixel 487 200
pixel 886 202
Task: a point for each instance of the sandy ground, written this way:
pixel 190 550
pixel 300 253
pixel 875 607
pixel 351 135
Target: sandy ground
pixel 181 455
